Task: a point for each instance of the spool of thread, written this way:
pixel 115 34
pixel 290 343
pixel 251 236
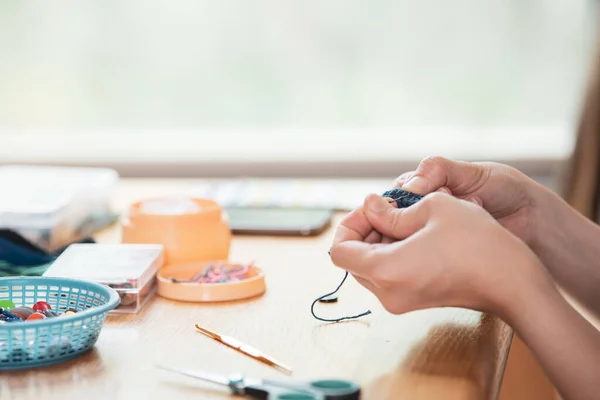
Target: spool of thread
pixel 190 229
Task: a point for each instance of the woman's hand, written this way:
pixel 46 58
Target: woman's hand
pixel 506 193
pixel 564 240
pixel 442 251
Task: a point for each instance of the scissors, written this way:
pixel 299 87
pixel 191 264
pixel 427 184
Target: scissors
pixel 279 390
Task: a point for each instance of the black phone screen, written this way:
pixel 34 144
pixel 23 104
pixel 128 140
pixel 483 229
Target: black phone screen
pixel 278 221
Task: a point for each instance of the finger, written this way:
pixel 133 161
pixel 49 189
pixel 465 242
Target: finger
pixel 387 240
pixel 401 180
pixel 356 257
pixel 355 226
pixel 474 199
pixel 434 172
pixel 374 237
pixel 365 283
pixel 444 189
pixel 393 222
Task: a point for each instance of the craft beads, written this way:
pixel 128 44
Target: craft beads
pixel 23 312
pixel 218 273
pixel 7 305
pixel 41 306
pixel 40 310
pixel 36 316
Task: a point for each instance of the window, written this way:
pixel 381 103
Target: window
pixel 205 81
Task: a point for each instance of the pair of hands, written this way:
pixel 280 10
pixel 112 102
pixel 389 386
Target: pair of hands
pixel 465 244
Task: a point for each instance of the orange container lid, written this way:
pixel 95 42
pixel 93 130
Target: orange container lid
pixel 190 229
pixel 179 213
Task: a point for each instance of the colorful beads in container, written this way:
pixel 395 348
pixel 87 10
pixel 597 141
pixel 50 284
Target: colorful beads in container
pixel 218 273
pixel 45 321
pixel 40 310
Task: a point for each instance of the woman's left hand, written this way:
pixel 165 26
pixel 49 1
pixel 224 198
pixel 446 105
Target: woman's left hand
pixel 440 252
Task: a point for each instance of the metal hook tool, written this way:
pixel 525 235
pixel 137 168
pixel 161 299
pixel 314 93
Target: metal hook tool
pixel 245 349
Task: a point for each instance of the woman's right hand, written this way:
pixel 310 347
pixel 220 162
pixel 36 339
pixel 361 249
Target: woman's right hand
pixel 507 194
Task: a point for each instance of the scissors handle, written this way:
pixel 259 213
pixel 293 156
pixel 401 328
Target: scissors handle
pixel 337 389
pixel 323 389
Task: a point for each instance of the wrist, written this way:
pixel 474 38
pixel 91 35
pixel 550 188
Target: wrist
pixel 531 291
pixel 545 212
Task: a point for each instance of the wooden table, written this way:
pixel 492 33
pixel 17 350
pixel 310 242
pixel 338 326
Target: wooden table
pixel 431 354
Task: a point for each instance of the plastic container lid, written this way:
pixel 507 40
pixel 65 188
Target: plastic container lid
pixel 120 266
pixel 34 196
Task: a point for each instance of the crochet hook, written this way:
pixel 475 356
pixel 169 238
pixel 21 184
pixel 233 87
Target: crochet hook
pixel 244 349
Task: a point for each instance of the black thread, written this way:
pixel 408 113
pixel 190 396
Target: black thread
pixel 329 294
pixel 403 199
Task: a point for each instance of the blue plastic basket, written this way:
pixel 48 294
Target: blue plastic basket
pixel 30 344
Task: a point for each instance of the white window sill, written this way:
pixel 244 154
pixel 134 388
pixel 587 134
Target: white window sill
pixel 306 152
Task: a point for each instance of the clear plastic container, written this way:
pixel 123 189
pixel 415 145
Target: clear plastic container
pixel 133 300
pixel 54 206
pixel 130 269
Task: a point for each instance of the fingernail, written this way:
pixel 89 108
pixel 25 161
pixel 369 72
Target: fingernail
pixel 376 204
pixel 417 184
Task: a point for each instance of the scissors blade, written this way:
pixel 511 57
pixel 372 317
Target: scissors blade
pixel 213 378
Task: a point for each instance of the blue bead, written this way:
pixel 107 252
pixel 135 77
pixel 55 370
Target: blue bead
pixel 8 317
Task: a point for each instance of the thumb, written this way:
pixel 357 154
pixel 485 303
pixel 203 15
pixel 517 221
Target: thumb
pixel 434 172
pixel 397 223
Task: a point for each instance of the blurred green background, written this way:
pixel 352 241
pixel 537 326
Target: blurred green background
pixel 327 64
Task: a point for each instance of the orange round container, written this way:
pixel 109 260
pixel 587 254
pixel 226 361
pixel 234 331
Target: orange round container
pixel 190 229
pixel 254 285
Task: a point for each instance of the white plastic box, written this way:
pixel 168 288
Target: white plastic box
pixel 52 206
pixel 130 269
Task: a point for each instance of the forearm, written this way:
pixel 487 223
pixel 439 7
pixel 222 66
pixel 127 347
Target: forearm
pixel 565 344
pixel 569 246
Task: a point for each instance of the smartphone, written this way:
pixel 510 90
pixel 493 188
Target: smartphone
pixel 278 221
